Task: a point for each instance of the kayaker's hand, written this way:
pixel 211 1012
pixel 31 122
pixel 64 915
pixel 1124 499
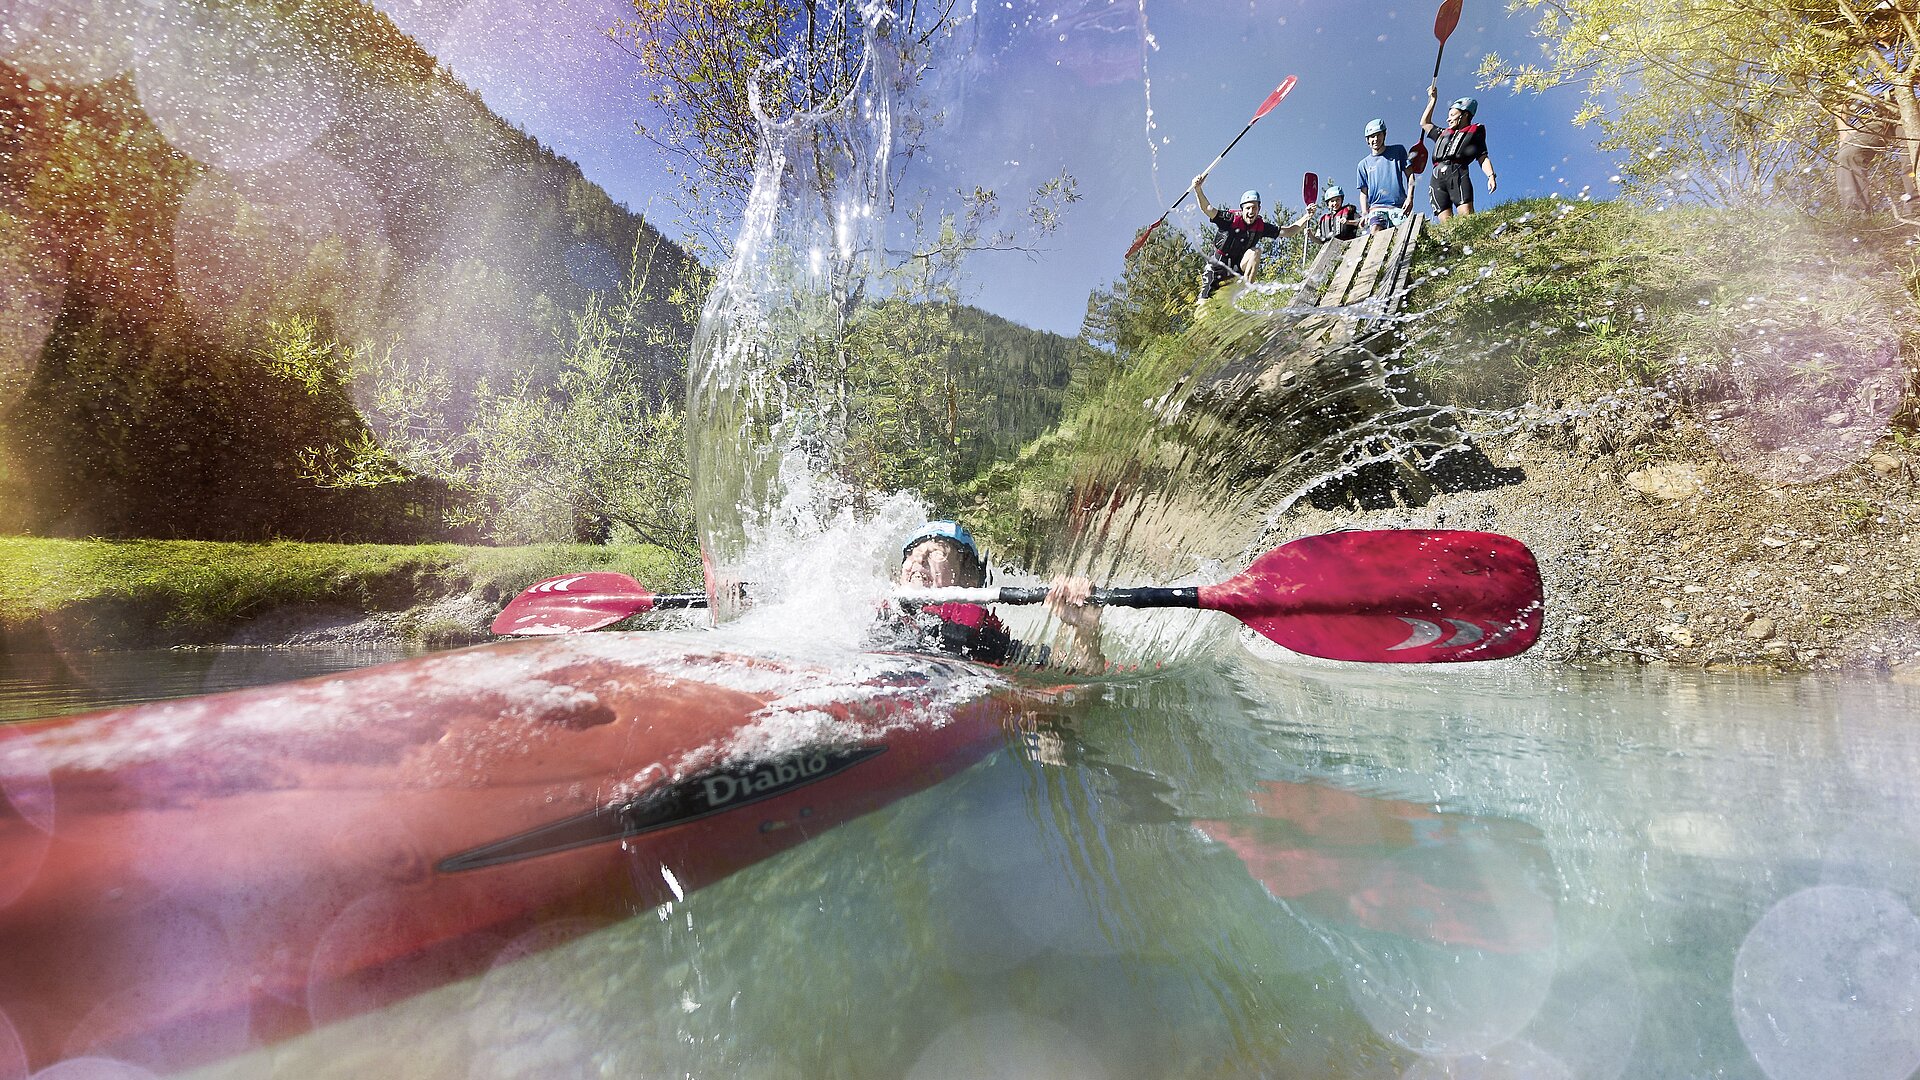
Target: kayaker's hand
pixel 1067 602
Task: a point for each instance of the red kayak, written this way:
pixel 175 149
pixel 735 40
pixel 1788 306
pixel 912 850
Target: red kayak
pixel 187 879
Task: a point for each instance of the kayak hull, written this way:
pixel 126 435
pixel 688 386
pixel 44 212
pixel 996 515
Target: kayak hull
pixel 185 880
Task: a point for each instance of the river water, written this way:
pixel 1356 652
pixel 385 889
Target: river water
pixel 1255 866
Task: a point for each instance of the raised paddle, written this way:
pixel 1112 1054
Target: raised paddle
pixel 1396 596
pixel 1266 107
pixel 574 603
pixel 1444 21
pixel 1309 191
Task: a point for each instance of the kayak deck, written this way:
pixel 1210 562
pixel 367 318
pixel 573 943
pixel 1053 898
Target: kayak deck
pixel 190 878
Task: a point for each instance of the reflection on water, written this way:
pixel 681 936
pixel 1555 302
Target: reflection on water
pixel 1256 870
pixel 49 684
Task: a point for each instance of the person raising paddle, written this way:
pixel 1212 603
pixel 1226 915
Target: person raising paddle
pixel 942 554
pixel 1237 250
pixel 1455 146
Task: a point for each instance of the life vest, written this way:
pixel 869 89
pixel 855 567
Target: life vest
pixel 1447 144
pixel 969 631
pixel 1240 234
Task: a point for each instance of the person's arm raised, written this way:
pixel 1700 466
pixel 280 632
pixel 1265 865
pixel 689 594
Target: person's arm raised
pixel 1200 196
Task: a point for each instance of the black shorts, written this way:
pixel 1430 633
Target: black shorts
pixel 1215 274
pixel 1452 186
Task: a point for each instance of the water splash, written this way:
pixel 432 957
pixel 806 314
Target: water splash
pixel 767 378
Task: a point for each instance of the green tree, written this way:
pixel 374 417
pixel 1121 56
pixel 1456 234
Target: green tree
pixel 597 455
pixel 1154 297
pixel 1727 99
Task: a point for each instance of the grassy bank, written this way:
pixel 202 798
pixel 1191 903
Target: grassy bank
pixel 129 592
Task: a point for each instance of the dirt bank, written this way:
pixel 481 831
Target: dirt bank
pixel 1655 550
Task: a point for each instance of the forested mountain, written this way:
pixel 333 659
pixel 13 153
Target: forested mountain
pixel 161 207
pixel 945 389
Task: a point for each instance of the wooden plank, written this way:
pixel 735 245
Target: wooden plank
pixel 1335 294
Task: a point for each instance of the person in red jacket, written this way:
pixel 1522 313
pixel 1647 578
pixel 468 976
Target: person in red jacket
pixel 1236 253
pixel 942 554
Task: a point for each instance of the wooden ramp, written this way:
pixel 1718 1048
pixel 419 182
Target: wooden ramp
pixel 1324 392
pixel 1361 282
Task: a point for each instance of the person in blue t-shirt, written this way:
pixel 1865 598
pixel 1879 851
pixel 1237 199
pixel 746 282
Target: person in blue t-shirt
pixel 1385 195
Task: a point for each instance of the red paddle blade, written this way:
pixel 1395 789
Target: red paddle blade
pixel 1310 189
pixel 1399 596
pixel 1280 92
pixel 1141 240
pixel 1446 19
pixel 1417 159
pixel 573 604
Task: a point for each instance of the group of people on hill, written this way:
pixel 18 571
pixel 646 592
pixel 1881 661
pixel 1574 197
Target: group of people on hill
pixel 1383 180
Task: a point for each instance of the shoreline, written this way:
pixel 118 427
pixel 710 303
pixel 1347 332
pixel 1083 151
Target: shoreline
pixel 1663 553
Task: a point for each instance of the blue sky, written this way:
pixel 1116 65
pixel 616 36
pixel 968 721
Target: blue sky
pixel 1048 85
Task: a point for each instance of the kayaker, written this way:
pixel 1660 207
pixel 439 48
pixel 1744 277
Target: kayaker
pixel 1336 218
pixel 1456 146
pixel 1385 194
pixel 943 554
pixel 1236 253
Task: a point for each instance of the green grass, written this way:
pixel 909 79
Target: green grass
pixel 1578 299
pixel 198 584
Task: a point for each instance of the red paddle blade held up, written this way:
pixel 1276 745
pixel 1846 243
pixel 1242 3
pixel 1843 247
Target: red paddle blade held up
pixel 1444 21
pixel 1310 189
pixel 574 603
pixel 1391 596
pixel 1279 94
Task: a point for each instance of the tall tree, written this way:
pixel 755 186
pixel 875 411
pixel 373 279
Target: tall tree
pixel 1729 99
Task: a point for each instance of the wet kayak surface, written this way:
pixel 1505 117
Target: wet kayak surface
pixel 1256 867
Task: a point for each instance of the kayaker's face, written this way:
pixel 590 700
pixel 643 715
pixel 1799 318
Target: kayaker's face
pixel 1377 141
pixel 936 564
pixel 1250 211
pixel 1457 118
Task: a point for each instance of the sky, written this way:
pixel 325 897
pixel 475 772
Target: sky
pixel 1052 85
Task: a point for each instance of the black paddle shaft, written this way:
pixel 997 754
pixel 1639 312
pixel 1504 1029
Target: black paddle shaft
pixel 1188 597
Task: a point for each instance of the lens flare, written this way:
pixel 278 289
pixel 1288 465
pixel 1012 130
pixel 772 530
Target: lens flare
pixel 304 226
pixel 36 288
pixel 230 88
pixel 1796 404
pixel 1827 984
pixel 70 42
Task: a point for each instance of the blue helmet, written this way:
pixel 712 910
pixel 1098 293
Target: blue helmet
pixel 1333 192
pixel 1466 105
pixel 1376 126
pixel 943 530
pixel 1249 196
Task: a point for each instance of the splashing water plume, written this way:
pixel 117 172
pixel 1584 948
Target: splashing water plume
pixel 767 372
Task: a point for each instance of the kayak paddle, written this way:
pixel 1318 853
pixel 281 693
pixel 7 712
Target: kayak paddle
pixel 1266 107
pixel 1391 596
pixel 1394 596
pixel 573 603
pixel 1444 21
pixel 1310 189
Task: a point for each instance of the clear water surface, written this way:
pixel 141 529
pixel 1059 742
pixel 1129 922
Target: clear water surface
pixel 1262 868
